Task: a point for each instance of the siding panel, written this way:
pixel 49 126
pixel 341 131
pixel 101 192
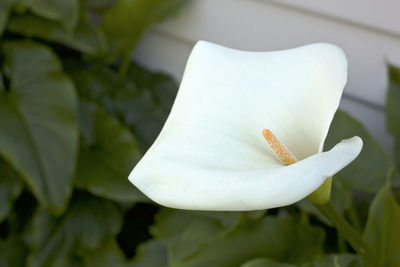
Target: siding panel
pixel 380 15
pixel 255 25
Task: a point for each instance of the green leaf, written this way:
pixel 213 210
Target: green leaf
pixel 150 253
pixel 104 164
pixel 262 262
pixel 184 232
pixel 278 239
pixel 163 87
pixel 88 222
pixel 66 12
pixel 393 108
pixel 142 115
pixel 127 20
pixel 108 255
pixel 170 222
pixel 10 188
pixel 69 262
pixel 85 37
pixel 13 252
pixel 368 171
pixel 192 237
pixel 142 101
pixel 39 131
pixel 382 232
pixel 340 260
pixel 5 6
pixel 147 111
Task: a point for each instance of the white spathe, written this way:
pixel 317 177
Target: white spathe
pixel 211 154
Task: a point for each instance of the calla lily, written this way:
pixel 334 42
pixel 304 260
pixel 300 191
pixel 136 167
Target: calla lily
pixel 211 153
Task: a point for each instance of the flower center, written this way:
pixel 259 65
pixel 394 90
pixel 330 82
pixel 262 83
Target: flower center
pixel 281 152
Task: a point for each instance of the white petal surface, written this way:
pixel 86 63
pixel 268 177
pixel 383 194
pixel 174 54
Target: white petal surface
pixel 211 154
pixel 200 187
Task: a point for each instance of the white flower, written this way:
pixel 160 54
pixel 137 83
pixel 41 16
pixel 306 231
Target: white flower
pixel 211 153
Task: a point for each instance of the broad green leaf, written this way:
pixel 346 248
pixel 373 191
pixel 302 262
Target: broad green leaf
pixel 88 222
pixel 183 232
pixel 278 239
pixel 340 260
pixel 5 6
pixel 10 188
pixel 108 255
pixel 101 85
pixel 262 262
pixel 69 262
pixel 170 222
pixel 147 112
pixel 191 238
pixel 142 101
pixel 393 108
pixel 228 218
pixel 104 164
pixel 127 20
pixel 368 171
pixel 163 87
pixel 149 254
pixel 64 11
pixel 13 252
pixel 39 131
pixel 382 232
pixel 142 115
pixel 85 37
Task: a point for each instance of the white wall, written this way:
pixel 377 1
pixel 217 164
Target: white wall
pixel 367 30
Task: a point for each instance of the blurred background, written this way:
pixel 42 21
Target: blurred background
pixel 86 86
pixel 367 30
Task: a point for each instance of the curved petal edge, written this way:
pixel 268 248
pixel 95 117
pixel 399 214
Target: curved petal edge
pixel 225 190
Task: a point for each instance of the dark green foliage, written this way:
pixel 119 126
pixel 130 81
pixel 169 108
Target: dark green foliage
pixel 381 231
pixel 5 9
pixel 126 21
pixel 38 115
pixel 87 224
pixel 367 172
pixel 262 237
pixel 74 122
pixel 85 38
pixel 66 12
pixel 342 260
pixel 142 101
pixel 10 188
pixel 13 252
pixel 104 162
pixel 71 126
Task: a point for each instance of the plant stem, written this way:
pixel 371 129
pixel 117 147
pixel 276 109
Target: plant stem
pixel 348 233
